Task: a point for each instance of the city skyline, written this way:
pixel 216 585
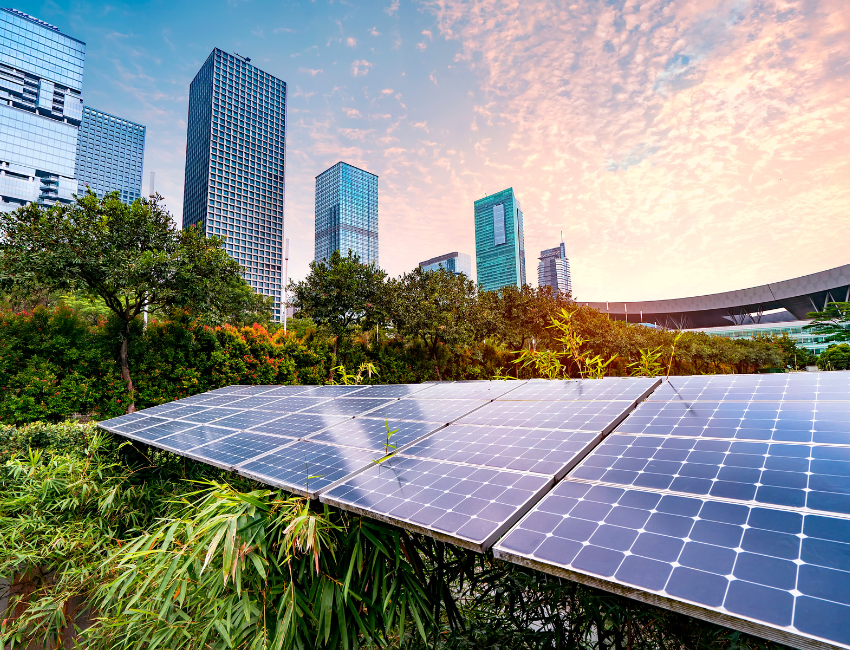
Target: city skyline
pixel 236 152
pixel 711 133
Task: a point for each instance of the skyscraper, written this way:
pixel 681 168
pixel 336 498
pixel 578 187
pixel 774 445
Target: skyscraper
pixel 235 154
pixel 41 105
pixel 456 263
pixel 110 155
pixel 499 241
pixel 553 270
pixel 347 213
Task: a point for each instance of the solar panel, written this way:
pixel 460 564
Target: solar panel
pixel 306 467
pixel 549 452
pixel 371 434
pixel 762 567
pixel 349 406
pixel 395 390
pixel 441 411
pixel 632 389
pixel 483 390
pixel 465 505
pixel 299 425
pixel 726 498
pixel 600 416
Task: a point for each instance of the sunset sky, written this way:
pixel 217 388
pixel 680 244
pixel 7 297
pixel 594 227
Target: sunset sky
pixel 683 147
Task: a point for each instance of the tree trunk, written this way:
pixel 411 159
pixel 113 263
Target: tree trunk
pixel 124 360
pixel 436 363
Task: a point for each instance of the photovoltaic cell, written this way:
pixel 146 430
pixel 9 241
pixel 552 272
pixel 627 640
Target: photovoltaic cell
pixel 395 390
pixel 600 416
pixel 248 419
pixel 442 411
pixel 468 506
pixel 293 404
pixel 776 568
pixel 549 452
pixel 299 425
pixel 372 434
pixel 208 415
pixel 186 440
pixel 788 475
pixel 333 391
pixel 481 390
pixel 725 496
pixel 307 467
pixel 629 389
pixel 348 406
pixel 233 450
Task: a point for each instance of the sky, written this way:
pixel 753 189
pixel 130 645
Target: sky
pixel 682 147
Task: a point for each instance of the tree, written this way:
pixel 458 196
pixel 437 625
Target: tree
pixel 835 357
pixel 132 257
pixel 834 321
pixel 340 293
pixel 437 306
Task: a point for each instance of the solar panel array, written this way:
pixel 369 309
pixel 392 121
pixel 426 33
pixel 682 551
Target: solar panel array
pixel 469 482
pixel 724 497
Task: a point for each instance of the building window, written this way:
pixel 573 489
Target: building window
pixel 498 224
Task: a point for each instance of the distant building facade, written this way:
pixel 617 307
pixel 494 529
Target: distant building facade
pixel 110 155
pixel 41 106
pixel 235 155
pixel 347 213
pixel 553 270
pixel 454 262
pixel 499 241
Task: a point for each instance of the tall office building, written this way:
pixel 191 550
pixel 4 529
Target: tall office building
pixel 456 263
pixel 347 213
pixel 499 241
pixel 235 155
pixel 110 155
pixel 553 270
pixel 41 105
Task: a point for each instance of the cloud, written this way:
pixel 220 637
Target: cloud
pixel 387 91
pixel 422 46
pixel 360 68
pixel 283 30
pixel 393 8
pixel 355 134
pixel 432 78
pixel 427 32
pixel 351 42
pixel 421 125
pixel 655 134
pixel 310 71
pixel 374 32
pixel 351 112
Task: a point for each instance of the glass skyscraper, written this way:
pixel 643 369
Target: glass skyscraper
pixel 110 155
pixel 347 213
pixel 456 263
pixel 499 241
pixel 553 270
pixel 235 165
pixel 41 106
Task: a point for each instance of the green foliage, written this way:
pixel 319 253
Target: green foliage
pixel 340 293
pixel 112 546
pixel 648 365
pixel 437 307
pixel 835 357
pixel 131 258
pixel 834 321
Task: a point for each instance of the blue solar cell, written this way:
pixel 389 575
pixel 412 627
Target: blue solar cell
pixel 180 442
pixel 427 410
pixel 299 425
pixel 610 388
pixel 348 406
pixel 600 416
pixel 228 452
pixel 372 434
pixel 469 506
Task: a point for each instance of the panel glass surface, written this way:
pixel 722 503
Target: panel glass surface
pixel 788 475
pixel 182 442
pixel 609 388
pixel 307 467
pixel 209 415
pixel 231 451
pixel 372 434
pixel 349 405
pixel 778 568
pixel 441 411
pixel 821 386
pixel 469 506
pixel 549 452
pixel 299 425
pixel 394 390
pixel 790 421
pixel 599 416
pixel 483 390
pixel 333 391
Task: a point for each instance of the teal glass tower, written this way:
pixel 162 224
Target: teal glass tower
pixel 110 155
pixel 235 155
pixel 347 213
pixel 41 106
pixel 499 241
